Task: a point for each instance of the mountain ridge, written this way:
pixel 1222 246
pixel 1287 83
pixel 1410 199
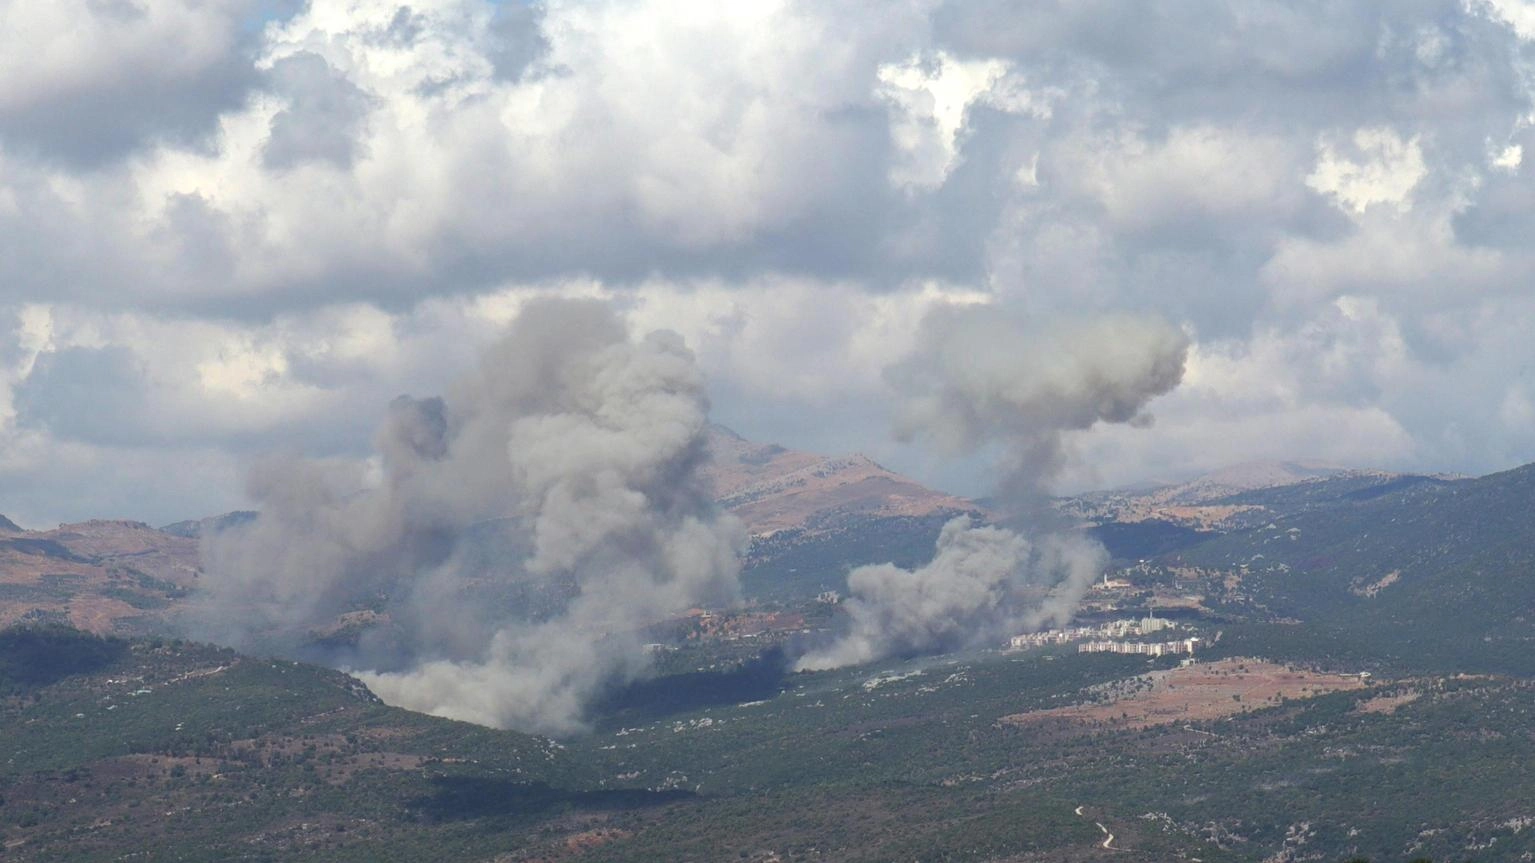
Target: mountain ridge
pixel 772 489
pixel 1455 556
pixel 1231 497
pixel 124 576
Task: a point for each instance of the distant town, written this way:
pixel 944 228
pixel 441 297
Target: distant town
pixel 1111 638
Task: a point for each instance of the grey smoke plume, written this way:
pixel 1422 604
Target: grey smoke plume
pixel 981 379
pixel 981 582
pixel 516 536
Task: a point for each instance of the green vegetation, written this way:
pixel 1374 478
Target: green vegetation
pixel 1132 541
pixel 202 754
pixel 792 565
pixel 206 755
pixel 36 656
pixel 1432 577
pixel 262 759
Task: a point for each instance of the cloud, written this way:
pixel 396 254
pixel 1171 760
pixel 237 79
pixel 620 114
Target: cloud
pixel 86 81
pixel 357 187
pixel 1517 13
pixel 978 377
pixel 322 119
pixel 1384 172
pixel 929 99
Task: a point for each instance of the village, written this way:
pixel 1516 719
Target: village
pixel 1111 637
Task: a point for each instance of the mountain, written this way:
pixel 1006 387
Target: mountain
pixel 1431 571
pixel 814 517
pixel 774 489
pixel 1248 476
pixel 178 751
pixel 1242 495
pixel 1365 691
pixel 197 527
pixel 100 576
pixel 822 513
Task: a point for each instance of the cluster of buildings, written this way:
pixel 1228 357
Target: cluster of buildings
pixel 1115 629
pixel 1113 583
pixel 1109 638
pixel 1143 648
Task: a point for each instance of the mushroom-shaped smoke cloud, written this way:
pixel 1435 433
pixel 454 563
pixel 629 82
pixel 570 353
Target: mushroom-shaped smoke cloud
pixel 978 379
pixel 518 537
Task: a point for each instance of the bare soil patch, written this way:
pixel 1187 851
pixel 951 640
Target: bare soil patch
pixel 1387 703
pixel 1197 693
pixel 1368 590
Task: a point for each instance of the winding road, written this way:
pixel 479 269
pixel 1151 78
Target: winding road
pixel 1108 838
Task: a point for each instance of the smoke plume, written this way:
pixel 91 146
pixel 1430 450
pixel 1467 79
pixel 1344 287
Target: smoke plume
pixel 981 381
pixel 501 559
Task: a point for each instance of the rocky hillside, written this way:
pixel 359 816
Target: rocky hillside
pixel 773 489
pixel 100 576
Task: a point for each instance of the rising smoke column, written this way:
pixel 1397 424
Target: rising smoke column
pixel 575 450
pixel 980 379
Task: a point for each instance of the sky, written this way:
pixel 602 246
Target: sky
pixel 232 228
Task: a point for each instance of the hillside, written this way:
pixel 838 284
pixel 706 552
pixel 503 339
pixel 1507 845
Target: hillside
pixel 774 489
pixel 1438 572
pixel 196 753
pixel 200 754
pixel 100 576
pixel 195 528
pixel 1239 496
pixel 827 513
pixel 812 517
pixel 204 755
pixel 1272 747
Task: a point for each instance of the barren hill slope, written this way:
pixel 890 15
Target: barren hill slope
pixel 773 489
pixel 100 576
